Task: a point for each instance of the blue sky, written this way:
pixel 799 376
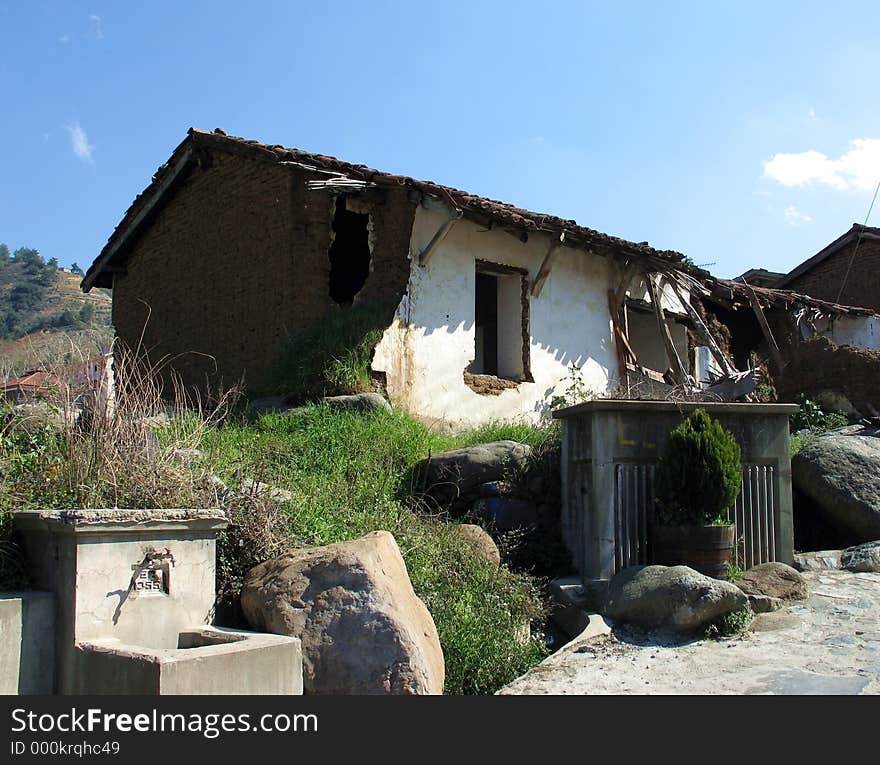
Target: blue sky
pixel 740 133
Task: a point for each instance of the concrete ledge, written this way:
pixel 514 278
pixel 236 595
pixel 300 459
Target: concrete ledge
pixel 209 661
pixel 27 643
pixel 117 519
pixel 712 407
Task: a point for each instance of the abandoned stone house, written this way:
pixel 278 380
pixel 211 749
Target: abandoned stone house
pixel 236 245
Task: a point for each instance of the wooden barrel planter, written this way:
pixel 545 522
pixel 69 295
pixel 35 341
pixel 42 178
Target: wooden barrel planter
pixel 707 549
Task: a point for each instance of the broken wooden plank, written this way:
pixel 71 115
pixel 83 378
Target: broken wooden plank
pixel 618 335
pixel 649 373
pixel 547 265
pixel 340 184
pixel 678 368
pixel 775 355
pixel 703 331
pixel 629 270
pixel 628 347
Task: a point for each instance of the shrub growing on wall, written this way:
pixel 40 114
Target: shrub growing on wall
pixel 698 475
pixel 333 355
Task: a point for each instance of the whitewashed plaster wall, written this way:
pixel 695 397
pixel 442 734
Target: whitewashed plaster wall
pixel 431 342
pixel 644 337
pixel 858 331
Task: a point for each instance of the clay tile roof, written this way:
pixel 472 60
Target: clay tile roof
pixel 500 213
pixel 738 292
pixel 35 379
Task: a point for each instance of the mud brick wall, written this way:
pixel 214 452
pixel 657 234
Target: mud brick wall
pixel 815 365
pixel 862 286
pixel 236 260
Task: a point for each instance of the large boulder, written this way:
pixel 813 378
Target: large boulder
pixel 838 471
pixel 458 472
pixel 862 558
pixel 670 597
pixel 480 541
pixel 820 560
pixel 359 402
pixel 773 580
pixel 363 630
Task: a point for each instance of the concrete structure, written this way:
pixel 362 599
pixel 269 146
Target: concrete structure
pixel 27 643
pixel 133 591
pixel 236 245
pixel 609 449
pixel 206 660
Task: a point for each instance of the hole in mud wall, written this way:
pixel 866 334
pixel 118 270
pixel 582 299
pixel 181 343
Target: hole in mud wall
pixel 745 333
pixel 349 253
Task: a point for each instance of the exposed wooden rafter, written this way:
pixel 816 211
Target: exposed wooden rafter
pixel 679 373
pixel 702 330
pixel 439 236
pixel 547 265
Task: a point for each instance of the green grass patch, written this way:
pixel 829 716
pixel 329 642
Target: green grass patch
pixel 332 357
pixel 731 624
pixel 348 473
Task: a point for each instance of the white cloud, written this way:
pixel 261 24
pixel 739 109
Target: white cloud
pixel 79 142
pixel 795 217
pixel 856 168
pixel 811 113
pixel 96 29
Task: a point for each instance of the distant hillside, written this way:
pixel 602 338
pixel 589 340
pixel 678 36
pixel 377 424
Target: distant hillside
pixel 44 316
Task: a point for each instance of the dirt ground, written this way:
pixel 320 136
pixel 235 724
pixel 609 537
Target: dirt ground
pixel 827 644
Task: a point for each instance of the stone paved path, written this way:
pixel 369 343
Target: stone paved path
pixel 827 644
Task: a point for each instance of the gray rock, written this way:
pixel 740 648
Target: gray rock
pixel 460 471
pixel 821 560
pixel 569 610
pixel 775 580
pixel 359 402
pixel 587 595
pixel 363 630
pixel 187 455
pixel 481 542
pixel 250 488
pixel 670 597
pixel 865 557
pixel 838 471
pixel 763 604
pixel 835 401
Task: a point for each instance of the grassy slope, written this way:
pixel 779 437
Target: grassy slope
pixel 60 345
pixel 348 474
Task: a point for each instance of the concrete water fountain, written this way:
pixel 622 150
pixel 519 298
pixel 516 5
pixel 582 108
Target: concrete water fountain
pixel 134 601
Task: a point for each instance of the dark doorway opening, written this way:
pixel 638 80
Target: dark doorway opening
pixel 486 325
pixel 349 253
